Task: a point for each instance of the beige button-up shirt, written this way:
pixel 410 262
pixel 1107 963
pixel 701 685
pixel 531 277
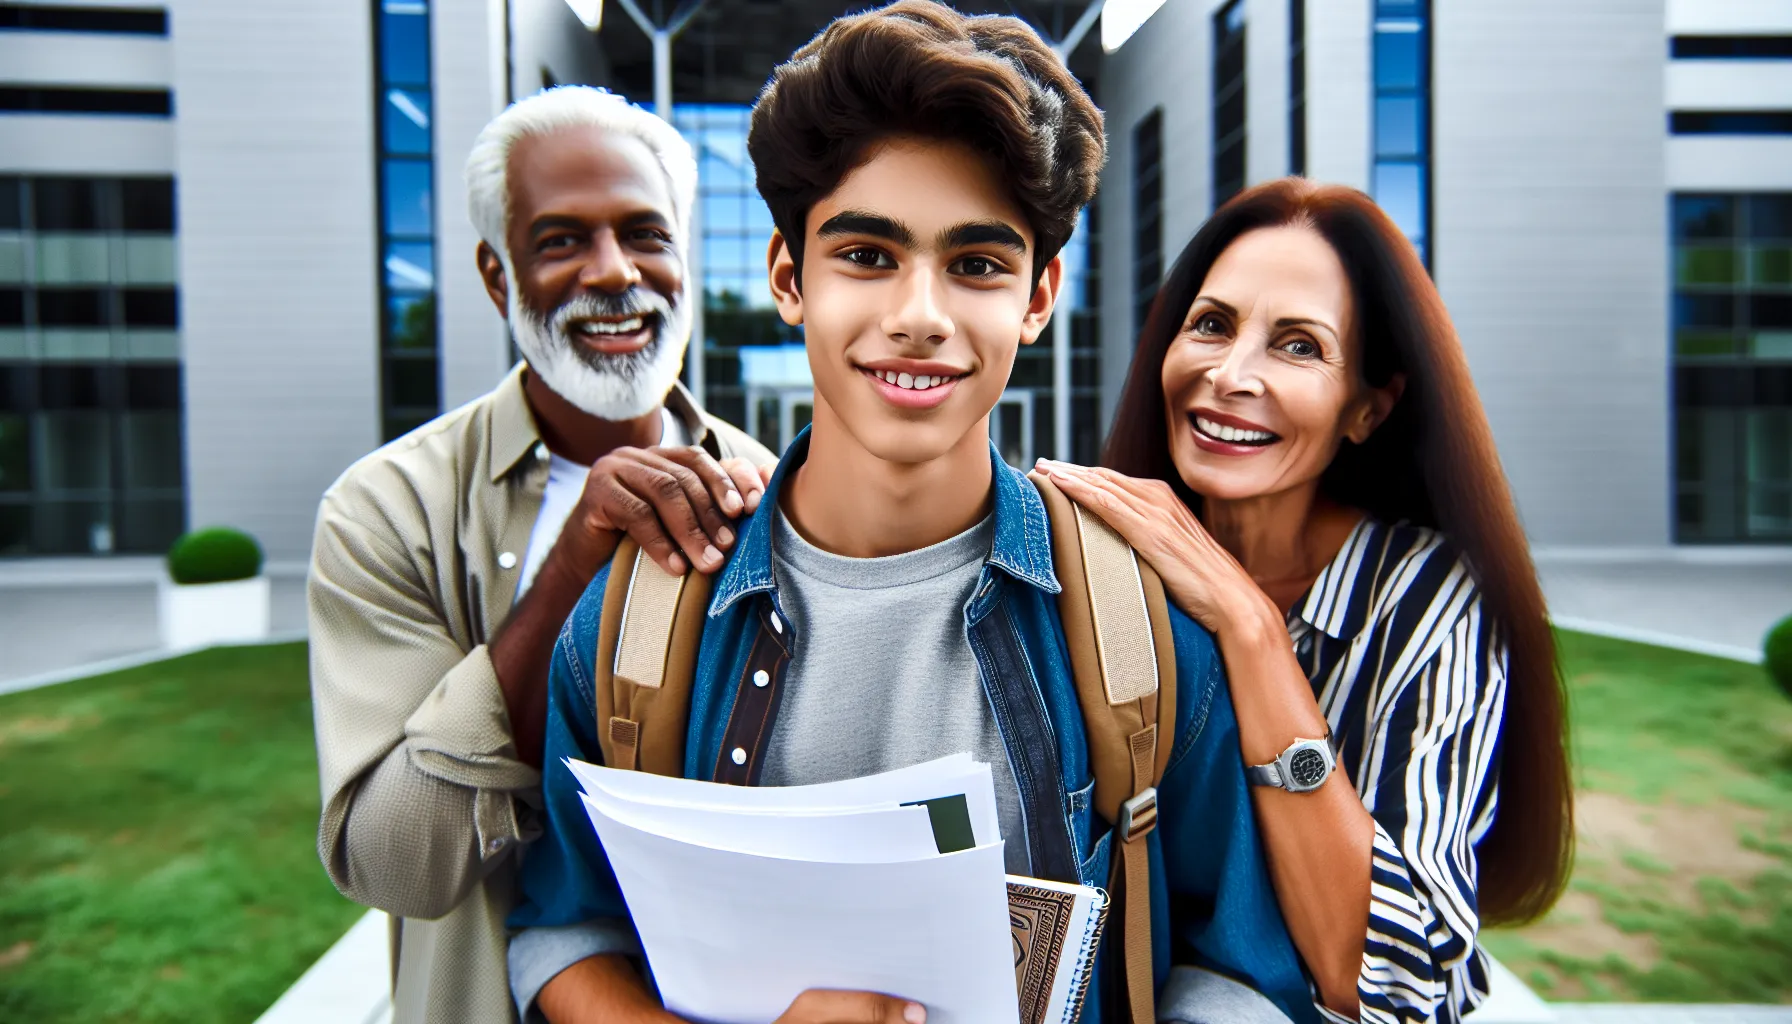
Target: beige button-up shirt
pixel 414 567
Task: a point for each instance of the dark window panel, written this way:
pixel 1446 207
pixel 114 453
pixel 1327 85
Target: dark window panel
pixel 18 387
pixel 1770 311
pixel 15 530
pixel 1704 216
pixel 146 21
pixel 72 386
pixel 12 198
pixel 151 307
pixel 1732 386
pixel 1730 122
pixel 1731 47
pixel 398 424
pixel 148 204
pixel 151 443
pixel 72 307
pixel 68 204
pixel 149 526
pixel 82 100
pixel 12 307
pixel 152 388
pixel 1770 217
pixel 412 383
pixel 411 321
pixel 15 452
pixel 67 527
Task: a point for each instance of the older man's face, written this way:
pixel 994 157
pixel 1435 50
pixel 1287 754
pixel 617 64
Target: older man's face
pixel 590 211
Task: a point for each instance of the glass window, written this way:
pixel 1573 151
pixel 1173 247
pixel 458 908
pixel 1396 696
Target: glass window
pixel 411 383
pixel 1397 126
pixel 1770 217
pixel 77 451
pixel 73 259
pixel 151 307
pixel 150 259
pixel 404 42
pixel 12 307
pixel 152 450
pixel 1704 343
pixel 1397 55
pixel 1703 265
pixel 148 204
pixel 152 388
pixel 1771 266
pixel 407 198
pixel 12 214
pixel 406 118
pixel 15 452
pixel 1697 216
pixel 411 321
pixel 1400 190
pixel 12 259
pixel 1712 310
pixel 72 307
pixel 150 524
pixel 1770 311
pixel 410 265
pixel 67 204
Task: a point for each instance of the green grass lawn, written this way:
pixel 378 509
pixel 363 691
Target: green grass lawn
pixel 158 854
pixel 1682 888
pixel 158 863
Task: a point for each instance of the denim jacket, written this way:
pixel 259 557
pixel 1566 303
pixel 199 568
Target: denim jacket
pixel 1211 899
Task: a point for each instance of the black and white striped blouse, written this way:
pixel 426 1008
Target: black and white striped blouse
pixel 1411 674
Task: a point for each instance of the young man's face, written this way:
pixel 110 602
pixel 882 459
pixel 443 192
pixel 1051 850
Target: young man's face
pixel 916 292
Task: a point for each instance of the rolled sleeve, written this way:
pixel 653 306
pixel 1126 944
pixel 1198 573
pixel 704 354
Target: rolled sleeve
pixel 538 955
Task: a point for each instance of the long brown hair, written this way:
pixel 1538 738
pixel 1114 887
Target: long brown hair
pixel 1432 463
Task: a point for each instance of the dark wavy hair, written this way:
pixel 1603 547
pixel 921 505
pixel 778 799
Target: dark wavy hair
pixel 1432 463
pixel 921 68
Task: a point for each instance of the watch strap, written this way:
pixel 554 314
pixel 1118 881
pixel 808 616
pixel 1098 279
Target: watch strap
pixel 1264 774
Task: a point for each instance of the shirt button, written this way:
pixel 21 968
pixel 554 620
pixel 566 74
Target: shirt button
pixel 495 845
pixel 541 451
pixel 761 678
pixel 506 560
pixel 777 623
pixel 739 756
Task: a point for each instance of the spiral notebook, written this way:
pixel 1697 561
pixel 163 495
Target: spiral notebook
pixel 1056 929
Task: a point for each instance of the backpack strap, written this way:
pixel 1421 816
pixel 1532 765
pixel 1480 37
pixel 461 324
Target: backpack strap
pixel 647 641
pixel 1117 631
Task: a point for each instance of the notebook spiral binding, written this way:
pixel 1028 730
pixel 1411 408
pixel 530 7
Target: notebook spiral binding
pixel 1086 960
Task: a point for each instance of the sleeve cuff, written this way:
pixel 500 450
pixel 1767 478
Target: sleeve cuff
pixel 1194 995
pixel 538 955
pixel 461 731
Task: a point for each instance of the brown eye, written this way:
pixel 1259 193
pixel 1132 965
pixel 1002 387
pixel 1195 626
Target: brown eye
pixel 869 259
pixel 1302 347
pixel 1208 325
pixel 978 266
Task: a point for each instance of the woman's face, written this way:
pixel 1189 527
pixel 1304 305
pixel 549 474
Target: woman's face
pixel 1264 379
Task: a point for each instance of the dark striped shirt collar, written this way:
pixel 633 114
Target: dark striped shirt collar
pixel 1337 605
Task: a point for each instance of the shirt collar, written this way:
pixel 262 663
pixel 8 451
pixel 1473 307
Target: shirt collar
pixel 1022 546
pixel 515 435
pixel 1337 604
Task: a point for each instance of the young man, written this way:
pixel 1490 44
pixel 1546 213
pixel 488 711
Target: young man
pixel 440 572
pixel 892 600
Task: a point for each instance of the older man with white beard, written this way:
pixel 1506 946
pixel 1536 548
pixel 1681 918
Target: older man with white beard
pixel 446 562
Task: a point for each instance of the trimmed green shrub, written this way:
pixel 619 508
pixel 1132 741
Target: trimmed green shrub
pixel 1779 654
pixel 217 554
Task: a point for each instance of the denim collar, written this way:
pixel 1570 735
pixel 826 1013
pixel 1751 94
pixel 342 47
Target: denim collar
pixel 1022 546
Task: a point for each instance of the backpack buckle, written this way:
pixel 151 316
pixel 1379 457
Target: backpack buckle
pixel 1138 816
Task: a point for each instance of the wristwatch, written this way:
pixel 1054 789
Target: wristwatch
pixel 1302 768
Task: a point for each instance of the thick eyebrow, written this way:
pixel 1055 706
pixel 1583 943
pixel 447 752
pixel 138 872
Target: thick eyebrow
pixel 982 232
pixel 560 221
pixel 1224 307
pixel 1287 321
pixel 858 222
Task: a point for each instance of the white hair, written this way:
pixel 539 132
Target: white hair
pixel 571 106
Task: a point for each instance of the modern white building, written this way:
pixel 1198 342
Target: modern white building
pixel 1603 192
pixel 234 253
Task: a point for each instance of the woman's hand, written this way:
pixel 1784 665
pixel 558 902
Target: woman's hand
pixel 1201 577
pixel 825 1006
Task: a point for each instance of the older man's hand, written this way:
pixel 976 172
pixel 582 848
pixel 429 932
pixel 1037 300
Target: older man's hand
pixel 676 503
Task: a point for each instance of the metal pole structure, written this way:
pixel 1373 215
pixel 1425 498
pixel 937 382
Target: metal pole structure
pixel 1061 334
pixel 661 36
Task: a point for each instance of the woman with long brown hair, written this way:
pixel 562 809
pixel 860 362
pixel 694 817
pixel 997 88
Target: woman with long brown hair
pixel 1300 453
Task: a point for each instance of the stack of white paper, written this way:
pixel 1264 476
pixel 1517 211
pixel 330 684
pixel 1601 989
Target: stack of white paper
pixel 745 897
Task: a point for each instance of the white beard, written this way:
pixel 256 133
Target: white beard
pixel 610 387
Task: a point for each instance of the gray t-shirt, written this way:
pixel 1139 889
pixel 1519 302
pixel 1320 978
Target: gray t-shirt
pixel 883 676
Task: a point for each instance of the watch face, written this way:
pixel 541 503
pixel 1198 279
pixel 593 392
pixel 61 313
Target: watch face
pixel 1306 768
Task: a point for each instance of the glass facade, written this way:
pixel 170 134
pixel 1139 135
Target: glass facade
pixel 1297 86
pixel 90 380
pixel 1228 102
pixel 1401 176
pixel 1147 215
pixel 1732 317
pixel 410 375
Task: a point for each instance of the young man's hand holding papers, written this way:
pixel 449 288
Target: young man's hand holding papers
pixel 744 898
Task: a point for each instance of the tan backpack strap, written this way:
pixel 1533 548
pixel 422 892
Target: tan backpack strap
pixel 647 641
pixel 1123 659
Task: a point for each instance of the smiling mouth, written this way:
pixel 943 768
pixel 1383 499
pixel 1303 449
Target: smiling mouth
pixel 1224 434
pixel 613 328
pixel 913 382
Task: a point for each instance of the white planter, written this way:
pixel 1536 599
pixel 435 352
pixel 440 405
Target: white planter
pixel 202 614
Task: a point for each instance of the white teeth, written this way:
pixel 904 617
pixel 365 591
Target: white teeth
pixel 910 381
pixel 923 383
pixel 903 380
pixel 1233 434
pixel 610 327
